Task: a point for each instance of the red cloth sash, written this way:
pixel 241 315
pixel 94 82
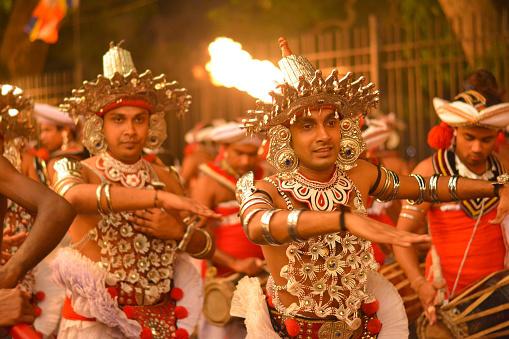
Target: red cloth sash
pixel 383 217
pixel 230 238
pixel 69 313
pixel 451 232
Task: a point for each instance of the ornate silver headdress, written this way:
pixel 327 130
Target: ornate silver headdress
pixel 305 87
pixel 15 113
pixel 16 122
pixel 122 85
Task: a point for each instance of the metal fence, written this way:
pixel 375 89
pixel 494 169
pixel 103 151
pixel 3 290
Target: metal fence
pixel 48 88
pixel 410 65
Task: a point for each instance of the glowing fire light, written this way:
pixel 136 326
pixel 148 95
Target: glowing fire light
pixel 231 66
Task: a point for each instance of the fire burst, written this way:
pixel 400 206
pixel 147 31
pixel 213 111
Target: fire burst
pixel 231 66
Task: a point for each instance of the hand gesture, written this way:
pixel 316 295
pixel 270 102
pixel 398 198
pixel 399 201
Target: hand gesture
pixel 10 240
pixel 503 206
pixel 158 223
pixel 375 231
pixel 428 295
pixel 15 307
pixel 172 202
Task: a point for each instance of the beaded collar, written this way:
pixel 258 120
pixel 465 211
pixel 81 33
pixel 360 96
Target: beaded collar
pixel 319 196
pixel 129 175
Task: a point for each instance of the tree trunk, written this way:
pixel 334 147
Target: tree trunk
pixel 467 19
pixel 20 56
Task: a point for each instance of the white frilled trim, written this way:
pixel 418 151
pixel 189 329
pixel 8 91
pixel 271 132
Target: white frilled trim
pixel 187 278
pixel 51 306
pixel 249 303
pixel 84 282
pixel 392 311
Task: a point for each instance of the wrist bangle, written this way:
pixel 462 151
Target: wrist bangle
pixel 433 188
pixel 422 189
pixel 292 220
pixel 247 219
pixel 207 248
pixel 267 236
pixel 453 187
pixel 377 181
pixel 98 196
pixel 186 238
pixel 107 194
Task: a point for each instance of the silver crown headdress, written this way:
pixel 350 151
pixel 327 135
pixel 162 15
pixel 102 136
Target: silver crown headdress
pixel 305 87
pixel 121 82
pixel 17 126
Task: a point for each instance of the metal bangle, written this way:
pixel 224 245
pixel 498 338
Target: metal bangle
pixel 377 181
pixel 422 188
pixel 395 187
pixel 107 194
pixel 186 238
pixel 453 187
pixel 407 216
pixel 412 208
pixel 265 220
pixel 247 219
pixel 98 196
pixel 385 186
pixel 433 187
pixel 292 220
pixel 63 188
pixel 206 249
pixel 252 202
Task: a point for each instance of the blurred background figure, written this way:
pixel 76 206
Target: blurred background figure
pixel 199 149
pixel 57 136
pixel 382 140
pixel 235 255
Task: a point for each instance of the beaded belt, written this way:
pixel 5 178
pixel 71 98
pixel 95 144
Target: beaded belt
pixel 306 328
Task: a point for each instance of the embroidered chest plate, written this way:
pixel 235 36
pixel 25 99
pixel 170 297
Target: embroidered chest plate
pixel 327 274
pixel 141 265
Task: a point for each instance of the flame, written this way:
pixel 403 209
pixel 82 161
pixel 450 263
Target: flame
pixel 231 66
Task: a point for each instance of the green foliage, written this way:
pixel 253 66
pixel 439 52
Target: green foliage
pixel 419 12
pixel 5 6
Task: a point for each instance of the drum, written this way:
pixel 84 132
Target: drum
pixel 394 273
pixel 218 297
pixel 481 311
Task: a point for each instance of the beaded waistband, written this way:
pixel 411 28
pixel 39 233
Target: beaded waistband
pixel 307 328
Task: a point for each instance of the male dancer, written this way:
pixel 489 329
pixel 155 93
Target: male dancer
pixel 57 136
pixel 234 252
pixel 128 238
pixel 309 217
